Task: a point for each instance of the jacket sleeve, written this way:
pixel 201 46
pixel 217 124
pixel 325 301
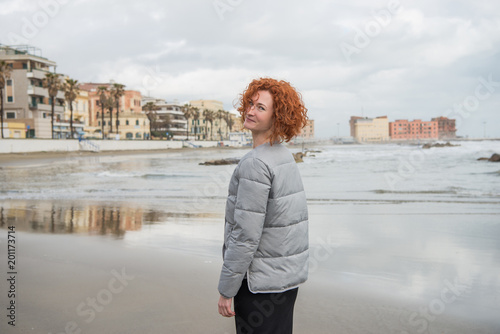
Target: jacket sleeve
pixel 250 211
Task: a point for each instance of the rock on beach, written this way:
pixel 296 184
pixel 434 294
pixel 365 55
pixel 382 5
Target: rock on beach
pixel 494 158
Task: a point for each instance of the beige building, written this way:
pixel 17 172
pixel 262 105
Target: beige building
pixel 307 133
pixel 364 129
pixel 131 126
pixel 203 129
pixel 213 105
pixel 80 109
pixel 26 100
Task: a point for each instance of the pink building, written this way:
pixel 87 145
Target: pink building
pixel 402 129
pixel 130 102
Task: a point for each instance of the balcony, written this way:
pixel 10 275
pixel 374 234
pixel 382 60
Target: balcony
pixel 40 91
pixel 37 74
pixel 46 107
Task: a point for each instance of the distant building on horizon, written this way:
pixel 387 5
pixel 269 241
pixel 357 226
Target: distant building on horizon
pixel 307 132
pixel 446 127
pixel 365 129
pixel 403 129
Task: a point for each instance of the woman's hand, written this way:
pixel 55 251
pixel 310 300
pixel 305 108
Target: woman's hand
pixel 225 307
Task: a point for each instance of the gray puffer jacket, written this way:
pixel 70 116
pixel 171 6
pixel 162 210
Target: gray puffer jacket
pixel 266 229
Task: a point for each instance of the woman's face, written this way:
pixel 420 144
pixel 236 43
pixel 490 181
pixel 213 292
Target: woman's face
pixel 260 112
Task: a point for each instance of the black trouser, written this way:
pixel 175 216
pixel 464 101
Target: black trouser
pixel 263 313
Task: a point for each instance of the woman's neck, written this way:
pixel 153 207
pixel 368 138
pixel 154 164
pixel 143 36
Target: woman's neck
pixel 260 138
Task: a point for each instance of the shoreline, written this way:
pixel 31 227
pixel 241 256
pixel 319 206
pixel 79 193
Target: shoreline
pixel 19 157
pixel 13 158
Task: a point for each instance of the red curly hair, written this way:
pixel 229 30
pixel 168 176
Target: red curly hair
pixel 290 114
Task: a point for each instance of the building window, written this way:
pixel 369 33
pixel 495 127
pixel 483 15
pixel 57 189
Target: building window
pixel 99 123
pixel 109 122
pixel 127 122
pixel 136 122
pixel 129 135
pixel 138 135
pixel 11 115
pixel 25 66
pixel 44 115
pixel 10 98
pixel 117 122
pixel 97 114
pixel 9 82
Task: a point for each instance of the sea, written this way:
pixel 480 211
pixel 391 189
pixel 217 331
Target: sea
pixel 420 227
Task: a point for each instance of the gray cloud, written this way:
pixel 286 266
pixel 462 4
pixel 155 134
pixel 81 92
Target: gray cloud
pixel 416 63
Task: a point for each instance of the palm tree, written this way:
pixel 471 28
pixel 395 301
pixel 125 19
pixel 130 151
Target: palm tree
pixel 5 71
pixel 71 90
pixel 53 84
pixel 209 116
pixel 196 117
pixel 188 113
pixel 229 121
pixel 220 116
pixel 117 92
pixel 150 108
pixel 101 91
pixel 165 123
pixel 110 103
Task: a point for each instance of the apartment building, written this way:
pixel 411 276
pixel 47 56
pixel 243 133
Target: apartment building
pixel 26 101
pixel 202 129
pixel 403 129
pixel 446 127
pixel 365 129
pixel 80 109
pixel 170 120
pixel 129 123
pixel 307 133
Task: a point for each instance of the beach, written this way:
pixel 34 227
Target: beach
pixel 131 242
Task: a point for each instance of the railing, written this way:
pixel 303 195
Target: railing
pixel 87 145
pixel 189 144
pixel 37 74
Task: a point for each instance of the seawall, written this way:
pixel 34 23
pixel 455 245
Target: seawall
pixel 8 146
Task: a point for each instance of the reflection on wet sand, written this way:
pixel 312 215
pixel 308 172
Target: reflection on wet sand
pixel 52 217
pixel 60 218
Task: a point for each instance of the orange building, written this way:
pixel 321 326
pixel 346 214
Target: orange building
pixel 446 127
pixel 130 105
pixel 402 129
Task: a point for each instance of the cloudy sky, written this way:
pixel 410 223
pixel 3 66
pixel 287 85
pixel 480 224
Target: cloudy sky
pixel 400 58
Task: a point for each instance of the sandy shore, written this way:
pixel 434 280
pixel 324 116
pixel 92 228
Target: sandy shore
pixel 101 285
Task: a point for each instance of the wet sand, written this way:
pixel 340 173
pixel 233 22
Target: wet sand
pixel 99 285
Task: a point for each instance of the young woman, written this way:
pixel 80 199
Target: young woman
pixel 266 244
